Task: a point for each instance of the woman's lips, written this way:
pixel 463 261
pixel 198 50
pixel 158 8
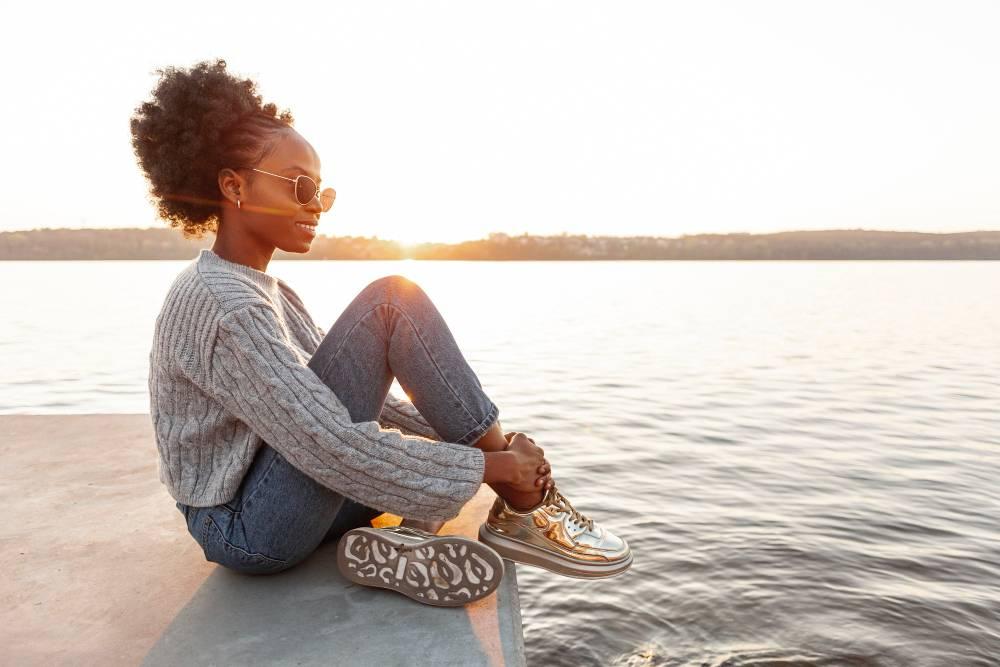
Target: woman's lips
pixel 308 229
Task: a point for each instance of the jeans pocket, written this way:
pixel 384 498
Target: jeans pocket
pixel 219 549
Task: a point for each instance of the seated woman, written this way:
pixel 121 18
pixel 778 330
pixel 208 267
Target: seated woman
pixel 275 436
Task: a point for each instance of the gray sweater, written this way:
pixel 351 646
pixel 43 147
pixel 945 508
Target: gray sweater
pixel 227 372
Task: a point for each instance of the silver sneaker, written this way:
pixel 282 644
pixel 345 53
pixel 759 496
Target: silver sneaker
pixel 440 570
pixel 555 536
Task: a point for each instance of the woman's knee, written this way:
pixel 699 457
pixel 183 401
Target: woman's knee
pixel 394 289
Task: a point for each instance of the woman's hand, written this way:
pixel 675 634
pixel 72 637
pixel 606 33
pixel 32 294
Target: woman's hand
pixel 531 471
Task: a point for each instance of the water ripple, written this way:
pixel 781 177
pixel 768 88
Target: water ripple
pixel 805 462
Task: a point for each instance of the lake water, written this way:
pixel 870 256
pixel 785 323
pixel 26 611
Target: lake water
pixel 804 456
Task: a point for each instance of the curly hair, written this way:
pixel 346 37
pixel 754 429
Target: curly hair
pixel 200 120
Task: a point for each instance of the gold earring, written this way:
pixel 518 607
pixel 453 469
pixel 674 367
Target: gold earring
pixel 237 203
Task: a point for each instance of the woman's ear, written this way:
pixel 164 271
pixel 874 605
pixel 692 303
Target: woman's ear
pixel 230 185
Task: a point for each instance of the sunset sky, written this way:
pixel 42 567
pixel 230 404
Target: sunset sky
pixel 447 121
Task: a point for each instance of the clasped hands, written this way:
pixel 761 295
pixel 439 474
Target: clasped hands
pixel 531 463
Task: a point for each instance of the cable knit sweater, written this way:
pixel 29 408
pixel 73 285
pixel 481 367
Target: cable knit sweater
pixel 227 372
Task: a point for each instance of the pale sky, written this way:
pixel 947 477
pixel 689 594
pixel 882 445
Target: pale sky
pixel 447 121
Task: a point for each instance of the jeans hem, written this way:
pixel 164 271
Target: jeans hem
pixel 482 427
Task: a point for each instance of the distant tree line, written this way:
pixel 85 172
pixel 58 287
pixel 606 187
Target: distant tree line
pixel 797 245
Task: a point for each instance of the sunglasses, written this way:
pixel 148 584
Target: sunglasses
pixel 306 189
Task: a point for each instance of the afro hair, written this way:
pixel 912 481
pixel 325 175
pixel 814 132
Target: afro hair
pixel 200 120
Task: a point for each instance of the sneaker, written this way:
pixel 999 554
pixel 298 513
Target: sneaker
pixel 440 570
pixel 555 536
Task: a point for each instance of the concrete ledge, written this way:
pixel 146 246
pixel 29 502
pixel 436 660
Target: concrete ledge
pixel 101 570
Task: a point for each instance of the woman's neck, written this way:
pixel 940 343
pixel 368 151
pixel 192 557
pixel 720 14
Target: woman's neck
pixel 240 251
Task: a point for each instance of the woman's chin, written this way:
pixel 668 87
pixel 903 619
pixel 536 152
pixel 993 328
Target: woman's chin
pixel 296 245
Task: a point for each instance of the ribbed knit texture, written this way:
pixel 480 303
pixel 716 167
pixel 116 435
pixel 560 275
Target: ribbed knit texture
pixel 228 372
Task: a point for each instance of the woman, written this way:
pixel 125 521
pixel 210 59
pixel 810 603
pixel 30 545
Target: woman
pixel 275 436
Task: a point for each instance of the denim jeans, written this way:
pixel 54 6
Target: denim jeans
pixel 391 329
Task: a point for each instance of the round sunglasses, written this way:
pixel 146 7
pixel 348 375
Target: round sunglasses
pixel 306 189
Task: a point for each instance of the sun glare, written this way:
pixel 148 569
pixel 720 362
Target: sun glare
pixel 408 248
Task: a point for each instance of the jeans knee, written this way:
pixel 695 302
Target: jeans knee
pixel 394 288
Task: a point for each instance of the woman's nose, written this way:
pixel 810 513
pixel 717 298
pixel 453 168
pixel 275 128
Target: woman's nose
pixel 314 205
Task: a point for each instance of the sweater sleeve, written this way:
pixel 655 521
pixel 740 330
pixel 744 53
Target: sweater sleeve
pixel 255 373
pixel 403 415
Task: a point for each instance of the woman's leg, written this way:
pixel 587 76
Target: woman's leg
pixel 390 330
pixel 393 329
pixel 351 515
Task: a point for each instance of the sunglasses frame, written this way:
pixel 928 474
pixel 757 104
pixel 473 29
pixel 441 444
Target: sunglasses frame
pixel 295 188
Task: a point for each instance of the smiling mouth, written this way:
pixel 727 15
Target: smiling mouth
pixel 309 228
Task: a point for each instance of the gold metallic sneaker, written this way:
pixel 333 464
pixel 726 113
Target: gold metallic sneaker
pixel 439 570
pixel 555 536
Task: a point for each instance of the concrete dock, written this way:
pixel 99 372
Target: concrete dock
pixel 100 569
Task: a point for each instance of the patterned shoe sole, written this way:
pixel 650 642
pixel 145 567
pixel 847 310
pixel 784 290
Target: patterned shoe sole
pixel 445 571
pixel 553 562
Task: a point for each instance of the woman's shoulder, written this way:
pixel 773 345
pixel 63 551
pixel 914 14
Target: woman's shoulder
pixel 201 294
pixel 291 296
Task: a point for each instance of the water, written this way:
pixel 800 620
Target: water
pixel 805 456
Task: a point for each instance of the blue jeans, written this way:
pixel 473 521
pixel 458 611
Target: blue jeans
pixel 391 329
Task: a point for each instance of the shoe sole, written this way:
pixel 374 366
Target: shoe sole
pixel 529 555
pixel 444 571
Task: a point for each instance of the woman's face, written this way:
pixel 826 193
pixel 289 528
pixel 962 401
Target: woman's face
pixel 269 209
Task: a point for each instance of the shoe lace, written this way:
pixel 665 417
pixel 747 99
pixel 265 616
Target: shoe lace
pixel 560 501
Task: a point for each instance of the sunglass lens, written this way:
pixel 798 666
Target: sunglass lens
pixel 305 189
pixel 326 198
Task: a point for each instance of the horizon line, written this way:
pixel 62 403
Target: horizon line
pixel 563 234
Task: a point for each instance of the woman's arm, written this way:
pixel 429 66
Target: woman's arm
pixel 253 371
pixel 499 467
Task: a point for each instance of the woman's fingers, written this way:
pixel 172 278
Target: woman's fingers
pixel 545 470
pixel 544 481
